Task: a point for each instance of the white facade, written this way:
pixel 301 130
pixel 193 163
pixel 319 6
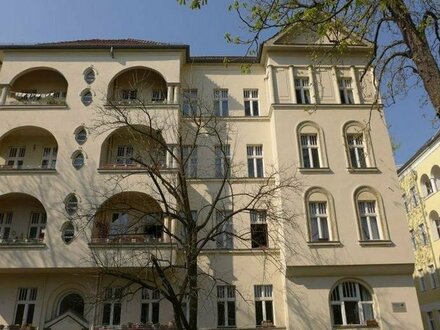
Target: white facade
pixel 348 260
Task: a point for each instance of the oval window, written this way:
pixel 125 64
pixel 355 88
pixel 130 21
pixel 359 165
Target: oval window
pixel 68 232
pixel 71 204
pixel 78 160
pixel 89 76
pixel 87 97
pixel 81 135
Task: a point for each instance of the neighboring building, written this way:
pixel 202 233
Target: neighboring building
pixel 349 259
pixel 420 181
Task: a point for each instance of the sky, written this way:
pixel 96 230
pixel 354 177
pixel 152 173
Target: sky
pixel 32 21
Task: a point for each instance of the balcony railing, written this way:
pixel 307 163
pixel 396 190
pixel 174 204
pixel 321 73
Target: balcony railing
pixel 30 167
pixel 127 239
pixel 21 241
pixel 35 99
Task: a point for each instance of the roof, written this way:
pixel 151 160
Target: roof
pixel 421 150
pixel 224 59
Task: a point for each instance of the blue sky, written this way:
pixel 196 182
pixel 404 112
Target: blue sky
pixel 30 21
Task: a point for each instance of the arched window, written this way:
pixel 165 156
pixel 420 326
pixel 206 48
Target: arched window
pixel 311 146
pixel 321 217
pixel 73 302
pixel 371 219
pixel 435 178
pixel 426 185
pixel 352 304
pixel 358 146
pixel 67 232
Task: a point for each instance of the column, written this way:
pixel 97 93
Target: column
pixel 166 224
pixel 173 227
pixel 335 84
pixel 170 95
pixel 4 94
pixel 312 85
pixel 356 87
pixel 176 94
pixel 434 184
pixel 292 84
pixel 270 84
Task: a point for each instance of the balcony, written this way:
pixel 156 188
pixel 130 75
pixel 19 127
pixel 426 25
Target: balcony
pixel 28 149
pixel 22 221
pixel 39 88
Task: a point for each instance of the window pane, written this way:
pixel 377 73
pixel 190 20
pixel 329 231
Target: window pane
pixel 144 312
pixel 106 314
pixel 315 232
pixel 315 157
pixel 19 314
pixel 368 311
pixel 306 158
pixel 231 313
pixel 365 232
pixel 269 311
pixel 117 314
pixel 374 228
pixel 324 229
pixel 155 318
pixel 30 313
pixel 247 108
pixel 352 312
pixel 251 168
pixel 220 313
pixel 337 315
pixel 259 168
pixel 258 312
pixel 255 106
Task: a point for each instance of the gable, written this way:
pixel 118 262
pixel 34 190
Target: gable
pixel 69 321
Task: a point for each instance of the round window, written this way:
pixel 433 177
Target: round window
pixel 78 160
pixel 89 76
pixel 87 97
pixel 68 232
pixel 81 135
pixel 71 204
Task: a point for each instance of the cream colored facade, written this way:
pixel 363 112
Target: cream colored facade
pixel 420 181
pixel 354 267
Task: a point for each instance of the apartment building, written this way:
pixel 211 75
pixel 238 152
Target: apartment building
pixel 420 181
pixel 296 112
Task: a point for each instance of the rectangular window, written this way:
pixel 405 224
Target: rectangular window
pixel 433 277
pixel 222 161
pixel 319 221
pixel 423 234
pixel 225 230
pixel 221 102
pixel 356 150
pixel 16 157
pixel 302 90
pixel 412 235
pixel 421 277
pixel 37 225
pixel 255 161
pixel 124 155
pixel 346 91
pixel 190 105
pixel 129 94
pixel 226 306
pixel 251 107
pixel 112 306
pixel 263 304
pixel 431 321
pixel 310 150
pixel 414 198
pixel 5 224
pixel 159 96
pixel 150 306
pixel 190 161
pixel 153 226
pixel 369 220
pixel 259 229
pixel 49 158
pixel 24 311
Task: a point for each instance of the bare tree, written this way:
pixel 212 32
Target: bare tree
pixel 404 35
pixel 178 220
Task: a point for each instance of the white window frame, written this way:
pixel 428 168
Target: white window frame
pixel 264 293
pixel 158 96
pixel 251 103
pixel 222 161
pixel 356 147
pixel 190 103
pixel 150 298
pixel 254 157
pixel 113 297
pixel 319 214
pixel 26 297
pixel 221 102
pixel 37 222
pixel 257 218
pixel 16 157
pixel 433 276
pixel 226 295
pixel 368 213
pixel 302 90
pixel 49 157
pixel 124 155
pixel 225 238
pixel 309 143
pixel 128 95
pixel 346 90
pixel 5 224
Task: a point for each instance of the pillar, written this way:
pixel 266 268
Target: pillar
pixel 292 84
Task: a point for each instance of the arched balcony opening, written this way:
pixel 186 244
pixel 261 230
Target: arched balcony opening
pixel 426 185
pixel 22 220
pixel 129 217
pixel 435 178
pixel 435 224
pixel 136 86
pixel 39 86
pixel 131 148
pixel 72 302
pixel 28 148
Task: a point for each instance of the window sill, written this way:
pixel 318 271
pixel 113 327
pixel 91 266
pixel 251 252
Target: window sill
pixel 355 327
pixel 34 106
pixel 376 243
pixel 324 244
pixel 314 170
pixel 363 170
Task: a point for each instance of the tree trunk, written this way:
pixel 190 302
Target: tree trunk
pixel 416 41
pixel 192 279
